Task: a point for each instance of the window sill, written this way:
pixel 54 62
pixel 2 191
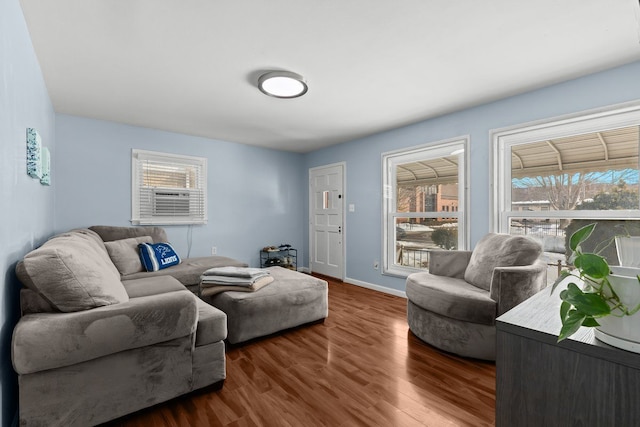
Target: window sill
pixel 168 222
pixel 401 272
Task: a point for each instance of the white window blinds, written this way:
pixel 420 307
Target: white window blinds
pixel 168 188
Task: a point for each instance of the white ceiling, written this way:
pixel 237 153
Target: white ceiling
pixel 371 65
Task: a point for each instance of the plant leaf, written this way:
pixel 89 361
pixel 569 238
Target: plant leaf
pixel 571 291
pixel 564 309
pixel 590 322
pixel 592 265
pixel 588 304
pixel 571 324
pixel 581 235
pixel 563 294
pixel 563 275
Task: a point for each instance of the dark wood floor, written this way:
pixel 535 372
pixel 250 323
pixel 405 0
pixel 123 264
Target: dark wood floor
pixel 361 367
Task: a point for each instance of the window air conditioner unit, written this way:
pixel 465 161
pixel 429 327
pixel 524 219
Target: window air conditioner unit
pixel 171 202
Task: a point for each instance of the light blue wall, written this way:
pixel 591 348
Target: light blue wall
pixel 26 217
pixel 363 228
pixel 256 197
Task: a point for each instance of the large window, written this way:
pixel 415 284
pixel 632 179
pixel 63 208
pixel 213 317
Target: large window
pixel 424 203
pixel 168 188
pixel 552 178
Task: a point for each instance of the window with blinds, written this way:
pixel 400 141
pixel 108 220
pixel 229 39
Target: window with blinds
pixel 168 188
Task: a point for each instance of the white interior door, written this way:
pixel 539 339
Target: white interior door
pixel 326 202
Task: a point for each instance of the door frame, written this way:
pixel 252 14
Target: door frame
pixel 343 165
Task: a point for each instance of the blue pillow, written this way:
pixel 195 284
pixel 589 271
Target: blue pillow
pixel 157 256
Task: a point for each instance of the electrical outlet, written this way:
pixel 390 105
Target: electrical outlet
pixel 375 264
pixel 214 250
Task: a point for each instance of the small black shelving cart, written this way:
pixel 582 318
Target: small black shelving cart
pixel 286 257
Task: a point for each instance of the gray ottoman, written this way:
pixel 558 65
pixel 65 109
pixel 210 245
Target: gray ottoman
pixel 292 299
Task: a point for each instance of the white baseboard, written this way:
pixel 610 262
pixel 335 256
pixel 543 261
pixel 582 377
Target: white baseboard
pixel 362 284
pixel 378 288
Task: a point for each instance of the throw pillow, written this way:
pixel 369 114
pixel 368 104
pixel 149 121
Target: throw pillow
pixel 125 255
pixel 73 273
pixel 109 233
pixel 157 256
pixel 499 250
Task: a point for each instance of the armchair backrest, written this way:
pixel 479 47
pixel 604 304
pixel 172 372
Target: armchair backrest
pixel 499 250
pixel 449 263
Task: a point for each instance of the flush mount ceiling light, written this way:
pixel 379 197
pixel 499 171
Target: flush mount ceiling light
pixel 282 84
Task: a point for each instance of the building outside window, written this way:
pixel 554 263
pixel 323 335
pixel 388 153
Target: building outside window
pixel 424 204
pixel 553 178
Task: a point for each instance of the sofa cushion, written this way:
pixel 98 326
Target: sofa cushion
pixel 33 302
pixel 158 256
pixel 155 285
pixel 109 233
pixel 74 273
pixel 451 297
pixel 23 276
pixel 89 235
pixel 188 272
pixel 124 254
pixel 85 233
pixel 499 250
pixel 212 324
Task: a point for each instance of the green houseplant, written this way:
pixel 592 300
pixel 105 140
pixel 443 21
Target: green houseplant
pixel 598 298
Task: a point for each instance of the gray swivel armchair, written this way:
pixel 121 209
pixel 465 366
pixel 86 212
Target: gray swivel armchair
pixel 454 306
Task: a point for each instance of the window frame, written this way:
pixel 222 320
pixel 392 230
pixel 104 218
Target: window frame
pixel 433 150
pixel 200 163
pixel 611 117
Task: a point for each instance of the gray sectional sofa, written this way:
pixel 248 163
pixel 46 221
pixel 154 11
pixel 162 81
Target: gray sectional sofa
pixel 188 272
pixel 94 344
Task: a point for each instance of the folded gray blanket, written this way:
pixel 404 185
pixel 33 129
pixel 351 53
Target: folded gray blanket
pixel 206 281
pixel 216 289
pixel 229 281
pixel 235 272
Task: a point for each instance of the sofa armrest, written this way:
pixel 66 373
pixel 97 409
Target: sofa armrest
pixel 512 285
pixel 449 263
pixel 52 340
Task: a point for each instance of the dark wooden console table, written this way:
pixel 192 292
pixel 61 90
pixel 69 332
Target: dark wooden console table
pixel 578 382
